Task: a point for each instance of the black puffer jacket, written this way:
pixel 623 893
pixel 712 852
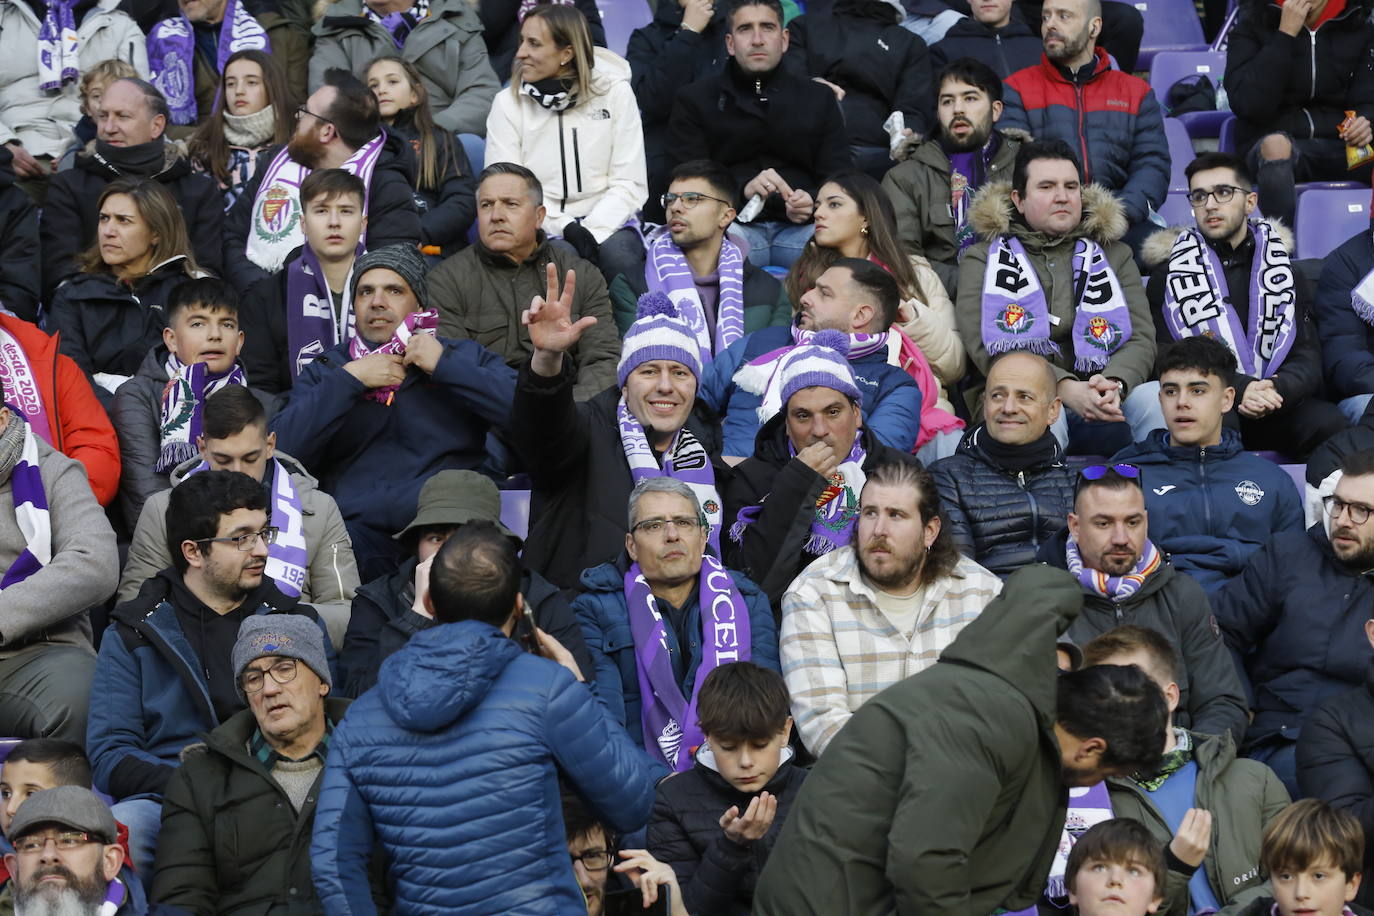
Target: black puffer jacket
pixel 1336 761
pixel 1000 517
pixel 20 266
pixel 1301 85
pixel 1211 696
pixel 382 622
pixel 772 551
pixel 881 66
pixel 716 875
pixel 447 211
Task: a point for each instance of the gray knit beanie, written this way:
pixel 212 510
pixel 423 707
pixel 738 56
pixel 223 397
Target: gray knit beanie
pixel 406 260
pixel 285 635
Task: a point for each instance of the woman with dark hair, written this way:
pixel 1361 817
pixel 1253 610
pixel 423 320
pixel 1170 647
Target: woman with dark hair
pixel 255 110
pixel 445 188
pixel 570 117
pixel 854 219
pixel 111 313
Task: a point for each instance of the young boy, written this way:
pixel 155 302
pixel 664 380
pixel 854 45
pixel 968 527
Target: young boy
pixel 716 823
pixel 1312 853
pixel 1116 869
pixel 157 413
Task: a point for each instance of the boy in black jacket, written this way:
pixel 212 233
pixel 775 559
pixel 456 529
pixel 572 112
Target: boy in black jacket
pixel 716 823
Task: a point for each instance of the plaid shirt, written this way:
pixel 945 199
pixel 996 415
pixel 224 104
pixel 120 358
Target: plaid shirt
pixel 838 649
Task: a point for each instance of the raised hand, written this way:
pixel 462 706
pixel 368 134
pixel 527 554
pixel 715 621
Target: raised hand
pixel 550 324
pixel 754 822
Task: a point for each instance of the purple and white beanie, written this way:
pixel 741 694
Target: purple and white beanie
pixel 659 332
pixel 822 362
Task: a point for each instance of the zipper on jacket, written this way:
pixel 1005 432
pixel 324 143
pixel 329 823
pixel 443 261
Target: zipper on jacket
pixel 1034 508
pixel 577 160
pixel 1312 34
pixel 563 161
pixel 56 416
pixel 1002 57
pixel 1206 494
pixel 334 565
pixel 1082 137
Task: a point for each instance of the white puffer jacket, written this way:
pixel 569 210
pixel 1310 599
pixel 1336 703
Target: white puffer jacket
pixel 43 120
pixel 589 158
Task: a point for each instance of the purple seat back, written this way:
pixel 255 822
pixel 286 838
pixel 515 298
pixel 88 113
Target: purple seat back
pixel 1180 151
pixel 1326 217
pixel 515 511
pixel 621 18
pixel 1170 25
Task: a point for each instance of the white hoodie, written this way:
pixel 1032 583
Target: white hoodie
pixel 589 158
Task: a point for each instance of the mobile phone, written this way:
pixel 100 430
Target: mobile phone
pixel 631 900
pixel 524 632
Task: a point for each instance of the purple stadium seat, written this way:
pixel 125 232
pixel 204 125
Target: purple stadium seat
pixel 1170 25
pixel 1180 151
pixel 1226 135
pixel 7 745
pixel 515 511
pixel 1326 217
pixel 621 17
pixel 1176 209
pixel 1169 67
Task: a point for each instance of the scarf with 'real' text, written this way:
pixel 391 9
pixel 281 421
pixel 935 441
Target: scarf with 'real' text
pixel 669 719
pixel 313 325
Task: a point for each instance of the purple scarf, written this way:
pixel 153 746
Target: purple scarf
pixel 762 375
pixel 172 54
pixel 183 404
pixel 415 323
pixel 1016 315
pixel 1196 297
pixel 287 559
pixel 685 460
pixel 399 25
pixel 666 270
pixel 1113 588
pixel 837 508
pixel 668 718
pixel 20 386
pixel 30 510
pixel 58 46
pixel 311 325
pixel 967 172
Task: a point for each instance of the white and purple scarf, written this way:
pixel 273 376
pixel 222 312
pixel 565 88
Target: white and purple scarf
pixel 183 406
pixel 287 560
pixel 399 25
pixel 685 460
pixel 666 270
pixel 30 511
pixel 20 386
pixel 415 323
pixel 1016 315
pixel 312 323
pixel 1113 588
pixel 762 375
pixel 1362 299
pixel 59 49
pixel 837 508
pixel 172 54
pixel 669 719
pixel 115 892
pixel 1196 296
pixel 276 216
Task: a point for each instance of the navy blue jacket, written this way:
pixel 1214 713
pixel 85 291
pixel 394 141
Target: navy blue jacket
pixel 606 629
pixel 452 763
pixel 374 458
pixel 1012 47
pixel 1295 616
pixel 1347 340
pixel 1210 508
pixel 150 696
pixel 891 402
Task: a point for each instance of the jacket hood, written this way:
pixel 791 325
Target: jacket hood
pixel 1015 636
pixel 1158 448
pixel 1157 245
pixel 610 69
pixel 442 673
pixel 932 153
pixel 993 213
pixel 300 476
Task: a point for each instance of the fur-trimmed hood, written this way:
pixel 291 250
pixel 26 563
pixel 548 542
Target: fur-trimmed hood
pixel 993 213
pixel 1157 246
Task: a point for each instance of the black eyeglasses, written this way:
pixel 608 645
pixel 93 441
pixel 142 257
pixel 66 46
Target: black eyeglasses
pixel 594 859
pixel 1334 506
pixel 1222 192
pixel 282 671
pixel 689 200
pixel 245 542
pixel 303 110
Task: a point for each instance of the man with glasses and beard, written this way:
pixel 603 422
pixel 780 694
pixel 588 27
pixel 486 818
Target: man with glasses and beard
pixel 338 127
pixel 932 190
pixel 1296 614
pixel 1126 579
pixel 66 859
pixel 863 617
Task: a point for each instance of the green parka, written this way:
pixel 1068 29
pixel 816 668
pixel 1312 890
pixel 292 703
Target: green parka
pixel 943 793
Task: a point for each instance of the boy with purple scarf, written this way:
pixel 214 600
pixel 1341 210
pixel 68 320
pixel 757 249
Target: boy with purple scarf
pixel 662 617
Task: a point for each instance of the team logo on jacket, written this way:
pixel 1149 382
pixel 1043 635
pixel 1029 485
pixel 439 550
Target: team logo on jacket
pixel 1249 492
pixel 1014 319
pixel 1102 334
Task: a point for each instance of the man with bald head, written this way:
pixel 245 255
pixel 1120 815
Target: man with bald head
pixel 1007 488
pixel 1074 94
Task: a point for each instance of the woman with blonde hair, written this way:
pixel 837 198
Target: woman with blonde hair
pixel 255 110
pixel 111 313
pixel 445 188
pixel 571 117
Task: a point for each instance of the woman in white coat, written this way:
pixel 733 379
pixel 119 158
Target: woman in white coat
pixel 570 117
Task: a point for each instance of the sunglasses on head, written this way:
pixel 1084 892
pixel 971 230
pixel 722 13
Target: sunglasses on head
pixel 1098 471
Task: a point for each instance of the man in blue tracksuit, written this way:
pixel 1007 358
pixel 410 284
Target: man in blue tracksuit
pixel 854 296
pixel 1211 504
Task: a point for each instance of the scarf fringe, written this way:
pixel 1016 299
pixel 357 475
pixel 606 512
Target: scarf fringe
pixel 173 454
pixel 815 544
pixel 1363 307
pixel 1089 364
pixel 1040 346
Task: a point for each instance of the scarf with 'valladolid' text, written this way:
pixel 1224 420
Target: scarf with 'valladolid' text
pixel 1196 299
pixel 668 718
